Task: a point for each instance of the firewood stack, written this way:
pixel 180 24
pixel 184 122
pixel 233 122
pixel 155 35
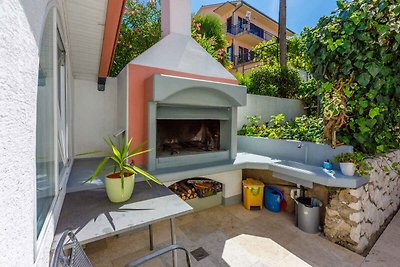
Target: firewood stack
pixel 196 187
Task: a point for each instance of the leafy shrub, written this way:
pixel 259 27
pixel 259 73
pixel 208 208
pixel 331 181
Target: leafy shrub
pixel 140 29
pixel 268 51
pixel 304 128
pixel 355 53
pixel 243 79
pixel 208 31
pixel 274 81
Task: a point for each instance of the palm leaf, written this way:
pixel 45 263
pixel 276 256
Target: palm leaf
pixel 116 152
pixel 129 168
pixel 146 175
pixel 98 170
pixel 137 153
pixel 139 147
pixel 91 153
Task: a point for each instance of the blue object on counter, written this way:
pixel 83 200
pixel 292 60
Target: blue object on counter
pixel 273 199
pixel 327 165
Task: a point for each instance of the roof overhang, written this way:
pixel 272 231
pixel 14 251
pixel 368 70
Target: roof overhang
pixel 92 28
pixel 115 12
pixel 224 8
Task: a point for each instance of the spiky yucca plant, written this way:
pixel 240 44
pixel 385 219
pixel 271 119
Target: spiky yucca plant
pixel 120 155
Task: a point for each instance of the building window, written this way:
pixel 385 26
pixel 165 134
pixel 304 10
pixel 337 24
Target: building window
pixel 51 120
pixel 229 25
pixel 229 51
pixel 45 123
pixel 257 31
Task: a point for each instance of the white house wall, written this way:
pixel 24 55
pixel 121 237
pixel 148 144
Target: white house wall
pixel 21 27
pixel 95 115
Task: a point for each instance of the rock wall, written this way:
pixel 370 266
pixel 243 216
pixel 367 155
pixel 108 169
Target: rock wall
pixel 356 217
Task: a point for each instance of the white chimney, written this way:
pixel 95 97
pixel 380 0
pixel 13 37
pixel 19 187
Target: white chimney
pixel 175 17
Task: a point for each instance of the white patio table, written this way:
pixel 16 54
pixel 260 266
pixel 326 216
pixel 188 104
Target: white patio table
pixel 91 216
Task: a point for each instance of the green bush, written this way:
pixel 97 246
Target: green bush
pixel 274 81
pixel 304 128
pixel 243 79
pixel 268 52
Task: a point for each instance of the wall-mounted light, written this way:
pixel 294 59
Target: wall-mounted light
pixel 101 83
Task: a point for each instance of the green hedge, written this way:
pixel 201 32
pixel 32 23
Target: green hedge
pixel 274 81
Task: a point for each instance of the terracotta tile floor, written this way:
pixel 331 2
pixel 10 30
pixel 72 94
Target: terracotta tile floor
pixel 211 228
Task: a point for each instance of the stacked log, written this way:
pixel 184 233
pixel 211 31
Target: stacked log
pixel 196 187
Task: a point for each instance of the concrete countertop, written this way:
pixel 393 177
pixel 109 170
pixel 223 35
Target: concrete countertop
pixel 291 171
pixel 99 218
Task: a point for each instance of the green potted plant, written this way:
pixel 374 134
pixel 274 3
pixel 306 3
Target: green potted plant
pixel 351 162
pixel 120 181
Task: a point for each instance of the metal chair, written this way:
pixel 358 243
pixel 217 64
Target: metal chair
pixel 78 258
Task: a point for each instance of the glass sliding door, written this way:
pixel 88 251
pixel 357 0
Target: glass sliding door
pixel 45 126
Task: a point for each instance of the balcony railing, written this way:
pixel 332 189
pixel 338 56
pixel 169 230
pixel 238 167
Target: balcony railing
pixel 241 59
pixel 236 29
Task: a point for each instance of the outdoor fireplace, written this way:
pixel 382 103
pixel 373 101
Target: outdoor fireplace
pixel 185 137
pixel 179 99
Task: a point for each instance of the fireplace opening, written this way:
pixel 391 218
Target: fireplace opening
pixel 185 137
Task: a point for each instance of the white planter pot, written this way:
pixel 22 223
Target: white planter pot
pixel 114 189
pixel 347 168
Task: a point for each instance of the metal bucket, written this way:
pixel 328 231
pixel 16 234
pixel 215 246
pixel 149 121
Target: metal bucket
pixel 308 214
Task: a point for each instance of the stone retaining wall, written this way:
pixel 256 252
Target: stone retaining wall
pixel 356 217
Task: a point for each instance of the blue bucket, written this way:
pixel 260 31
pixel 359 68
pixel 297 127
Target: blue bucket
pixel 273 199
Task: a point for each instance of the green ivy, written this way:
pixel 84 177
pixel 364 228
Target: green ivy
pixel 304 128
pixel 355 53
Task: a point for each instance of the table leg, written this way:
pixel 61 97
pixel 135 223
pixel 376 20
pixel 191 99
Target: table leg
pixel 173 241
pixel 151 237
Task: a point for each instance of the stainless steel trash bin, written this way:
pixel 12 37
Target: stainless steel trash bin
pixel 308 214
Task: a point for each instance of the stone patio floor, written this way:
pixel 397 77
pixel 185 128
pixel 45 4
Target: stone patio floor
pixel 281 241
pixel 386 251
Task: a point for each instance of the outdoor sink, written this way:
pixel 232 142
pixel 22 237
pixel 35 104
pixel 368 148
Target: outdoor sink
pixel 296 165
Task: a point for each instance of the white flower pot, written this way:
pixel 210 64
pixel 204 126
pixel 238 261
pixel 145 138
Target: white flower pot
pixel 347 168
pixel 114 189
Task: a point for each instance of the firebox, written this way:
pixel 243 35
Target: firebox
pixel 187 137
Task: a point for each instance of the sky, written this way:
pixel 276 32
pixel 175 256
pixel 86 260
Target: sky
pixel 299 13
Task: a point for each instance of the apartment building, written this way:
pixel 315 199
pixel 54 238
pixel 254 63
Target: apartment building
pixel 245 27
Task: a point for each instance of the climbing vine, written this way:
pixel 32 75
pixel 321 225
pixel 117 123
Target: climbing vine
pixel 355 53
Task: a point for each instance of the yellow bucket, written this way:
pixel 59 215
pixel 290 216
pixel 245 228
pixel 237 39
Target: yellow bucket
pixel 253 193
